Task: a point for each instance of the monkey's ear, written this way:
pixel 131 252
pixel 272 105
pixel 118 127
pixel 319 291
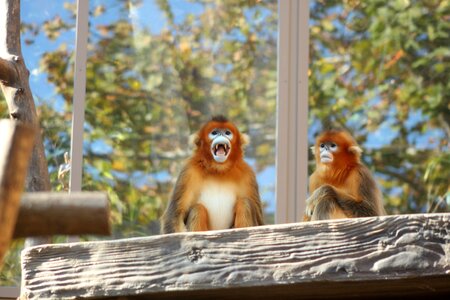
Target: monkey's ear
pixel 245 140
pixel 313 149
pixel 194 140
pixel 355 150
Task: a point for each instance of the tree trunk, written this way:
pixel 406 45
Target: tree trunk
pixel 15 86
pixel 16 144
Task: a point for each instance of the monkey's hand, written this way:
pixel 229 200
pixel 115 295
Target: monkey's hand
pixel 323 192
pixel 311 203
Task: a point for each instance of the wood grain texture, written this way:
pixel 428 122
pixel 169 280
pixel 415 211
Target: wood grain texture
pixel 16 144
pixel 50 213
pixel 390 255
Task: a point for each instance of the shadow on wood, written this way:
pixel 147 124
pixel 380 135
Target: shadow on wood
pixel 367 257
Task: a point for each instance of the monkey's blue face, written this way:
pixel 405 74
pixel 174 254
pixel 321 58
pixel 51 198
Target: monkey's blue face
pixel 220 143
pixel 326 151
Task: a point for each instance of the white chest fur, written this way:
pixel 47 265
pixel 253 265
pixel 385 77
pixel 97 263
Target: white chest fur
pixel 219 199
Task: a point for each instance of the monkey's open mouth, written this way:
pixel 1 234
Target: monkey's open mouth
pixel 220 150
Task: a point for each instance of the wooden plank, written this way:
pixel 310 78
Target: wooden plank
pixel 16 144
pixel 390 255
pixel 76 213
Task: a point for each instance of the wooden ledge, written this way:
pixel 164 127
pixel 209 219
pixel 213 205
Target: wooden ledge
pixel 367 257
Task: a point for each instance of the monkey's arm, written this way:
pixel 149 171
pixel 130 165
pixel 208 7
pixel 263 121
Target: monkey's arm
pixel 328 202
pixel 198 219
pixel 314 182
pixel 248 209
pixel 174 217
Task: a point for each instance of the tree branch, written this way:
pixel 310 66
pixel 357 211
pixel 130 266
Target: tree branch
pixel 7 72
pixel 10 24
pixel 413 184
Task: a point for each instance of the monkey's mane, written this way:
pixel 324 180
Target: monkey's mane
pixel 219 118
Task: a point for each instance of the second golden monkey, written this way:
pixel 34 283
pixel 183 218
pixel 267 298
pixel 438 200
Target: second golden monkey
pixel 341 186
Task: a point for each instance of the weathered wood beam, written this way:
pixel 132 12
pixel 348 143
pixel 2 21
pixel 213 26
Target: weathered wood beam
pixel 16 144
pixel 368 257
pixel 45 213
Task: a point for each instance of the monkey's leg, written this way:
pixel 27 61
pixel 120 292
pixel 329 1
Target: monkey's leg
pixel 246 214
pixel 353 207
pixel 327 209
pixel 198 219
pixel 323 205
pixel 173 220
pixel 332 203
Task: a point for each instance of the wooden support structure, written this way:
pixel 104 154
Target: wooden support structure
pixel 350 258
pixel 16 144
pixel 45 213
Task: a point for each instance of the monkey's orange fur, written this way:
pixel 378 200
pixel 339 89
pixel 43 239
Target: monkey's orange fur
pixel 212 195
pixel 343 187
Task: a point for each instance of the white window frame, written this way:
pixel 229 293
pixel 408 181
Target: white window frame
pixel 79 95
pixel 292 110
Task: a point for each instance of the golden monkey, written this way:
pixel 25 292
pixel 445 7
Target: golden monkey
pixel 341 186
pixel 216 189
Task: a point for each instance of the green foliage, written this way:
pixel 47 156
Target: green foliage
pixel 381 68
pixel 9 274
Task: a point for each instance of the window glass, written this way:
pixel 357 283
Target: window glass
pixel 156 71
pixel 380 69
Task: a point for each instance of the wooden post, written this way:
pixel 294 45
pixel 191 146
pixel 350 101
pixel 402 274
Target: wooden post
pixel 44 213
pixel 404 255
pixel 16 144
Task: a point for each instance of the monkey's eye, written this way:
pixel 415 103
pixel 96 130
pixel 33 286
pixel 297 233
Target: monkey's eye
pixel 322 145
pixel 214 132
pixel 227 132
pixel 333 146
